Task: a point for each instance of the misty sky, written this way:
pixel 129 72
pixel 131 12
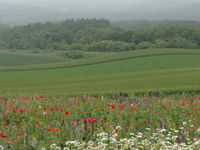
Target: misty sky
pixel 108 5
pixel 14 12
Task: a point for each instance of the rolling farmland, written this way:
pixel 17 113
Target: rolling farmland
pixel 138 71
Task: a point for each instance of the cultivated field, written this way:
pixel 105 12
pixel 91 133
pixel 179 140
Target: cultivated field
pixel 112 101
pixel 8 59
pixel 139 71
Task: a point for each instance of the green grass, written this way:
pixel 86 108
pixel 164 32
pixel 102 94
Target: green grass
pixel 141 71
pixel 107 58
pixel 137 82
pixel 18 58
pixel 122 66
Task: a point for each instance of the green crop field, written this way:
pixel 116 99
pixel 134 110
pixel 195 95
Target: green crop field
pixel 167 70
pixel 17 59
pixel 109 57
pixel 137 82
pixel 121 66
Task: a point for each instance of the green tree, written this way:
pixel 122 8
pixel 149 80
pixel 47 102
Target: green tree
pixel 145 45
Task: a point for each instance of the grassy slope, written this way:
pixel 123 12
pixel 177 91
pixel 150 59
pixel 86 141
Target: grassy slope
pixel 127 75
pixel 107 58
pixel 143 81
pixel 129 65
pixel 16 58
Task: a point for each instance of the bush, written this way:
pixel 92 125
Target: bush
pixel 64 46
pixel 76 46
pixel 161 43
pixel 76 54
pixel 180 42
pixel 90 55
pixel 35 51
pixel 145 45
pixel 2 44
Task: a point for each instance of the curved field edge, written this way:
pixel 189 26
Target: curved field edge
pixel 161 62
pixel 106 58
pixel 18 58
pixel 166 81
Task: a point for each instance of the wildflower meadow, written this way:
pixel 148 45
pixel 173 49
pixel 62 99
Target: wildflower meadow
pixel 122 121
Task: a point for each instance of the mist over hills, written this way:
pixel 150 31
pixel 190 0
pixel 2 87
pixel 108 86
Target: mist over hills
pixel 20 12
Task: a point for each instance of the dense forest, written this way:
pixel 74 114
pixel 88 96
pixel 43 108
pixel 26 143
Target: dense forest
pixel 100 35
pixel 137 24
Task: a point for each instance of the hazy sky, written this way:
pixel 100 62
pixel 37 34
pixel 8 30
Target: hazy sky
pixel 25 11
pixel 111 5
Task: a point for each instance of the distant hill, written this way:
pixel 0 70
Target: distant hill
pixel 13 13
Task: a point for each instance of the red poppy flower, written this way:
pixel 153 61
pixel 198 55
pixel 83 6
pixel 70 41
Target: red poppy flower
pixel 3 136
pixel 22 111
pixel 19 134
pixel 15 141
pixel 89 120
pixel 94 120
pixel 11 105
pixel 66 113
pixel 105 118
pixel 8 141
pixel 49 129
pixel 36 121
pixel 56 130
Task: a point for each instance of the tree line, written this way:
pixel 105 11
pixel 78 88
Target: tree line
pixel 132 25
pixel 97 35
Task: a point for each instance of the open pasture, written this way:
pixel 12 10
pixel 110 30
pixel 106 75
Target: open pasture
pixel 8 59
pixel 38 112
pixel 149 70
pixel 172 80
pixel 109 57
pixel 152 121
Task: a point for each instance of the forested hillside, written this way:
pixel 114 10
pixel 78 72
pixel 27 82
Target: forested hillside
pixel 3 28
pixel 137 24
pixel 97 35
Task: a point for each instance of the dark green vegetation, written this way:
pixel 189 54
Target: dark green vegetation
pixel 136 71
pixel 15 58
pixel 97 35
pixel 137 24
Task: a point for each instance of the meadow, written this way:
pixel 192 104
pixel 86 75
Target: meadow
pixel 122 121
pixel 106 57
pixel 138 71
pixel 141 99
pixel 9 58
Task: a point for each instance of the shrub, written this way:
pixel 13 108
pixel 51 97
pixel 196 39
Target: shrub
pixel 180 42
pixel 90 55
pixel 64 46
pixel 161 43
pixel 145 45
pixel 76 54
pixel 35 51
